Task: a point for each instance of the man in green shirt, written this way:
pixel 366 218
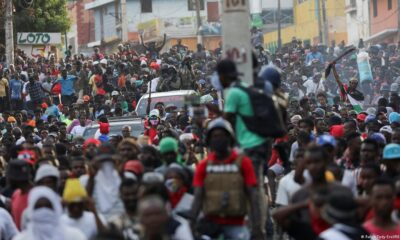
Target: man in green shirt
pixel 237 104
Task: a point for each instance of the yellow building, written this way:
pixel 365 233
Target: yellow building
pixel 305 26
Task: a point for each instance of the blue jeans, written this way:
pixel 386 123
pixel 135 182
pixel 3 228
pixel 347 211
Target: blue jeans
pixel 235 232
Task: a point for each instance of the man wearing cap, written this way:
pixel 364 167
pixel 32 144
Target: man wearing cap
pixel 75 197
pixel 341 212
pixel 169 153
pixel 19 175
pixel 67 87
pixel 154 121
pixel 48 176
pixel 391 159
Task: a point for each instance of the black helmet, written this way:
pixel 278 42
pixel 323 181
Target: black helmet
pixel 220 123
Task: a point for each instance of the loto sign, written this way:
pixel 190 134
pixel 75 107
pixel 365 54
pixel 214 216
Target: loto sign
pixel 38 38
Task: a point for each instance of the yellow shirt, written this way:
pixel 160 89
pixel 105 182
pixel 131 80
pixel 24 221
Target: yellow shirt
pixel 3 87
pixel 93 84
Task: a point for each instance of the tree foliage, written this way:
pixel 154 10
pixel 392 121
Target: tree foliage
pixel 41 16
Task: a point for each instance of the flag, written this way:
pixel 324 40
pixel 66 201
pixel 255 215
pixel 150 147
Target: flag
pixel 357 105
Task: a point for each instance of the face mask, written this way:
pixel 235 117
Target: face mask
pixel 43 216
pixel 172 185
pixel 107 168
pixel 219 146
pixel 154 122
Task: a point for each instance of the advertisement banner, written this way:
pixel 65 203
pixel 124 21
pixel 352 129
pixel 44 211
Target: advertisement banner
pixel 38 38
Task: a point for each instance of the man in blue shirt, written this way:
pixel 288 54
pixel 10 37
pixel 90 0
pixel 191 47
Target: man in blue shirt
pixel 16 86
pixel 67 87
pixel 314 55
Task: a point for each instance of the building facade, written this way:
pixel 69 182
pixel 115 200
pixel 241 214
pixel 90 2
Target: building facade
pixel 153 18
pixel 306 15
pixel 384 21
pixel 357 18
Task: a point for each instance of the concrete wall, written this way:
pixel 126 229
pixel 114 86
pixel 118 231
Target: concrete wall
pixel 305 25
pixel 386 19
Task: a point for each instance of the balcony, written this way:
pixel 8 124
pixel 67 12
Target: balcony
pixel 352 7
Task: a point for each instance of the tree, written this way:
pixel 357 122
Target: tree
pixel 41 16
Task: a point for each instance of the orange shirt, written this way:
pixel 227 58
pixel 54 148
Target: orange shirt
pixel 122 81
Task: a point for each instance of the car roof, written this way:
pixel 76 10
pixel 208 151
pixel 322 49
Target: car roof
pixel 170 93
pixel 117 123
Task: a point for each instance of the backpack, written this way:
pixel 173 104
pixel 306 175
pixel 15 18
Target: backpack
pixel 224 190
pixel 268 119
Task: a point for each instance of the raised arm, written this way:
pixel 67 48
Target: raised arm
pixel 340 84
pixel 141 40
pixel 163 44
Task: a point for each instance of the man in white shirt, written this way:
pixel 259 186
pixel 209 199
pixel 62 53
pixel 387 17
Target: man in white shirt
pixel 78 130
pixel 88 222
pixel 7 226
pixel 314 84
pixel 287 185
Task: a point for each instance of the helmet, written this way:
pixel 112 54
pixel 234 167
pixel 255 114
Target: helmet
pixel 271 73
pixel 220 123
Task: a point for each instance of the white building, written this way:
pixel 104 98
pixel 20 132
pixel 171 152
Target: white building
pixel 357 18
pixel 153 18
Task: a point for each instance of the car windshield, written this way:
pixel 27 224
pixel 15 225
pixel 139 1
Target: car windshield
pixel 116 129
pixel 176 100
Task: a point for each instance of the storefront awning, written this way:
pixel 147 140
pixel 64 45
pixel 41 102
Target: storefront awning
pixel 381 35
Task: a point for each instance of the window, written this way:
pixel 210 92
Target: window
pixel 192 5
pixel 375 7
pixel 147 6
pixel 390 4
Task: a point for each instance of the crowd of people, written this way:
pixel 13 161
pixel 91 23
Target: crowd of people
pixel 296 160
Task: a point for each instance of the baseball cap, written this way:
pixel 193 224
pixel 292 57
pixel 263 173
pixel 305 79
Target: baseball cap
pixel 387 129
pixel 295 119
pixel 227 67
pixel 371 111
pixel 361 117
pixel 46 170
pixel 18 170
pixel 379 137
pixel 114 93
pixel 134 166
pixel 391 151
pixel 326 140
pixel 103 61
pixel 154 112
pixel 337 131
pixel 319 112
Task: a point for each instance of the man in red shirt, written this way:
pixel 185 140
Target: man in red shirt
pixel 19 175
pixel 382 201
pixel 223 182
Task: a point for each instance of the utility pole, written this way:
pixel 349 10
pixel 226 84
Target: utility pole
pixel 325 23
pixel 320 35
pixel 236 36
pixel 9 32
pixel 278 16
pixel 199 24
pixel 124 22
